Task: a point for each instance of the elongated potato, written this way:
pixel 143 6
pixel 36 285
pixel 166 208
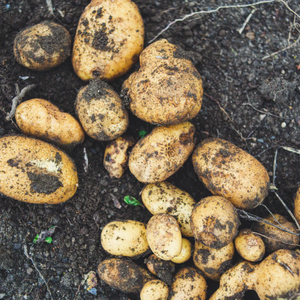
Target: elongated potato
pixel 36 172
pixel 162 152
pixel 125 238
pixel 109 39
pixel 228 171
pixel 297 205
pixel 154 290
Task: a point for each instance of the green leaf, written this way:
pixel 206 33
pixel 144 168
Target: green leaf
pixel 142 133
pixel 132 201
pixel 35 239
pixel 48 240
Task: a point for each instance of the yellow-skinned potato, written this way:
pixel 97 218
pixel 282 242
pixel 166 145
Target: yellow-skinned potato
pixel 297 206
pixel 188 285
pixel 43 46
pixel 230 172
pixel 164 236
pixel 35 172
pixel 167 89
pixel 42 119
pixel 162 152
pixel 109 39
pixel 164 197
pixel 154 290
pixel 100 111
pixel 185 254
pixel 124 238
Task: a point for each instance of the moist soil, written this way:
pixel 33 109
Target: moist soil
pixel 249 100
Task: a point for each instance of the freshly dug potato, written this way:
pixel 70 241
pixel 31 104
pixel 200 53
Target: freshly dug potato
pixel 214 222
pixel 164 236
pixel 35 172
pixel 229 171
pixel 123 275
pixel 116 157
pixel 185 254
pixel 273 237
pixel 161 153
pixel 297 205
pixel 124 238
pixel 43 46
pixel 213 262
pixel 42 119
pixel 164 197
pixel 167 89
pixel 188 285
pixel 154 290
pixel 109 39
pixel 100 111
pixel 249 245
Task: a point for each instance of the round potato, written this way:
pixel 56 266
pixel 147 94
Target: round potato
pixel 35 172
pixel 214 222
pixel 109 39
pixel 43 46
pixel 164 236
pixel 228 171
pixel 154 290
pixel 100 111
pixel 125 238
pixel 297 205
pixel 185 254
pixel 162 152
pixel 42 119
pixel 167 89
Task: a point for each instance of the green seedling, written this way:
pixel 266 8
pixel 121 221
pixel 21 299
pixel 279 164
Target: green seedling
pixel 142 133
pixel 132 201
pixel 45 235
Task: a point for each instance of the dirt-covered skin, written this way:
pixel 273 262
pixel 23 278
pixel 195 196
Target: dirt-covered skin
pixel 235 76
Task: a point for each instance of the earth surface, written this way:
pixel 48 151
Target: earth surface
pixel 252 98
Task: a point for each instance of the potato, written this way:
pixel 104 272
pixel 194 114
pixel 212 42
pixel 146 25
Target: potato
pixel 274 238
pixel 100 111
pixel 164 236
pixel 35 172
pixel 162 152
pixel 109 39
pixel 213 262
pixel 125 238
pixel 42 119
pixel 115 156
pixel 188 285
pixel 297 205
pixel 185 254
pixel 154 290
pixel 214 222
pixel 123 275
pixel 43 46
pixel 167 89
pixel 249 245
pixel 228 171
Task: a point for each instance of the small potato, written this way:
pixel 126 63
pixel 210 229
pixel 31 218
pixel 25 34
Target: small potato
pixel 213 262
pixel 35 172
pixel 42 119
pixel 162 152
pixel 185 254
pixel 230 172
pixel 214 222
pixel 100 111
pixel 124 238
pixel 297 205
pixel 249 246
pixel 123 275
pixel 167 89
pixel 188 285
pixel 109 39
pixel 154 290
pixel 116 156
pixel 43 46
pixel 164 236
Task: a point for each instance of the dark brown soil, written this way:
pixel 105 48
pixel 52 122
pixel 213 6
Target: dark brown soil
pixel 250 101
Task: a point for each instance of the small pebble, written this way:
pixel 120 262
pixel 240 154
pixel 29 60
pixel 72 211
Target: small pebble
pixel 283 125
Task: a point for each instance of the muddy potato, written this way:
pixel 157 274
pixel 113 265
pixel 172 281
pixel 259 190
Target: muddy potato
pixel 214 221
pixel 164 236
pixel 167 89
pixel 297 205
pixel 124 238
pixel 188 285
pixel 230 172
pixel 162 152
pixel 154 290
pixel 100 111
pixel 109 39
pixel 35 172
pixel 43 46
pixel 42 119
pixel 185 254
